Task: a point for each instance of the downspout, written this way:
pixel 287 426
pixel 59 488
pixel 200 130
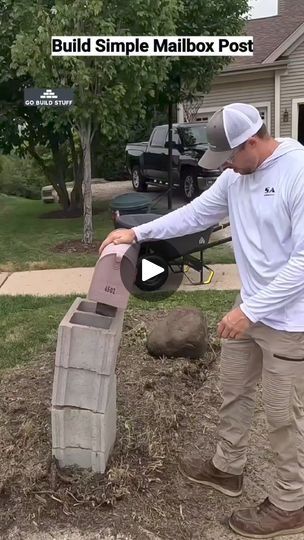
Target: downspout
pixel 277 104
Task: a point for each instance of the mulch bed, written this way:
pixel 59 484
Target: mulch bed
pixel 163 406
pixel 77 247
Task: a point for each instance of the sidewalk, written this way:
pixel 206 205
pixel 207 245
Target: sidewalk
pixel 76 281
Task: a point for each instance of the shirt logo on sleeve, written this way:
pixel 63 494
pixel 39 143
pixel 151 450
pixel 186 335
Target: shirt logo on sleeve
pixel 269 191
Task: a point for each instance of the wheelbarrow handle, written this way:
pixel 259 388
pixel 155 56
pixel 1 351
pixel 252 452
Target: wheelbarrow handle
pixel 220 227
pixel 218 242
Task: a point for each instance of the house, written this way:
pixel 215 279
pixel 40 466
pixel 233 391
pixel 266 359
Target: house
pixel 273 78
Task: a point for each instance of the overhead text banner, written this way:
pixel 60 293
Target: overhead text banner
pixel 152 46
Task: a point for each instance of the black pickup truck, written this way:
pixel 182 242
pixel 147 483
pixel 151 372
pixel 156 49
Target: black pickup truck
pixel 147 162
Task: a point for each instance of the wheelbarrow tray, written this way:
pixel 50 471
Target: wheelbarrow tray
pixel 176 252
pixel 168 249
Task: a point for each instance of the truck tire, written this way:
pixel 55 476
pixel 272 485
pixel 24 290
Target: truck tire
pixel 138 182
pixel 189 185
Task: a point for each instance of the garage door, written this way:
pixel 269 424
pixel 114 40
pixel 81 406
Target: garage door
pixel 205 116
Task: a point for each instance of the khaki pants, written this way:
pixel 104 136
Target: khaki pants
pixel 277 357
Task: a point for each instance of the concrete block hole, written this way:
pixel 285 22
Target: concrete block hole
pixel 91 319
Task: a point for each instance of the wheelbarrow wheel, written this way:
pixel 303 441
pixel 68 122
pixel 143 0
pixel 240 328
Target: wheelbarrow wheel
pixel 156 282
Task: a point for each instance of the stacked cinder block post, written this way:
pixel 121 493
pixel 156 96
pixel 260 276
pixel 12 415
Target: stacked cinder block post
pixel 84 389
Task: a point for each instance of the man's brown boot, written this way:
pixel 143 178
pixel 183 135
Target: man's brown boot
pixel 267 521
pixel 205 473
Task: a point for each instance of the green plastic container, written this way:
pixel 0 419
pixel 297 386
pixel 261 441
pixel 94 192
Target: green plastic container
pixel 130 203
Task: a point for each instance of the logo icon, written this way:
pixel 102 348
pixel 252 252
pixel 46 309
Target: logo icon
pixel 47 97
pixel 48 94
pixel 269 191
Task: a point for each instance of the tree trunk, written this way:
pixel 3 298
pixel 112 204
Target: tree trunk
pixel 63 195
pixel 77 162
pixel 53 174
pixel 191 109
pixel 76 197
pixel 85 137
pixel 60 172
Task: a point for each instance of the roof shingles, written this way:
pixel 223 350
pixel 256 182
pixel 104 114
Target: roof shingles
pixel 269 33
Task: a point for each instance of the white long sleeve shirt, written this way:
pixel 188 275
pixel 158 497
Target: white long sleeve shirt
pixel 266 214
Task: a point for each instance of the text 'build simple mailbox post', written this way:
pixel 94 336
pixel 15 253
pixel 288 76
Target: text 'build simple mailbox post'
pixel 84 388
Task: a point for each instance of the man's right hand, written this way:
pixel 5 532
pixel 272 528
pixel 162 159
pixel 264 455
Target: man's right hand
pixel 119 236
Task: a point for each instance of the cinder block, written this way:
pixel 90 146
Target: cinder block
pixel 82 388
pixel 78 428
pixel 82 458
pixel 87 340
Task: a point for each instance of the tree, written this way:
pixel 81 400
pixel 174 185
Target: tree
pixel 108 90
pixel 190 75
pixel 111 90
pixel 191 109
pixel 29 131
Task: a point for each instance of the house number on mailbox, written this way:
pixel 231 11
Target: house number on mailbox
pixel 110 289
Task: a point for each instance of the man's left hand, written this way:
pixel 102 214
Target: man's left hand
pixel 234 325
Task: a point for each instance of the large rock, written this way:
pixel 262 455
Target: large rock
pixel 184 332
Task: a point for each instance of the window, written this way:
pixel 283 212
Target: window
pixel 159 136
pixel 263 115
pixel 202 118
pixel 193 135
pixel 175 137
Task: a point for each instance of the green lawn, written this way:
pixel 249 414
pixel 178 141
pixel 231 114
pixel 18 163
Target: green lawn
pixel 28 324
pixel 221 254
pixel 27 242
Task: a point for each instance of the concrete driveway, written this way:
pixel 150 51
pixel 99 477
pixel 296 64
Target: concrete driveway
pixel 105 191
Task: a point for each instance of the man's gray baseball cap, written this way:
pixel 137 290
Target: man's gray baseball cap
pixel 228 128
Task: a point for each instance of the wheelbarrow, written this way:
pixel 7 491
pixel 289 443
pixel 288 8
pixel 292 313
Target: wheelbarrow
pixel 176 254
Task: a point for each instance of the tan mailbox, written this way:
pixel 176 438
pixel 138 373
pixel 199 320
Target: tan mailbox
pixel 107 285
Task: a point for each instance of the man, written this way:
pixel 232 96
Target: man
pixel 262 192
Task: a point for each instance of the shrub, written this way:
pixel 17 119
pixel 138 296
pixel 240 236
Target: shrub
pixel 20 177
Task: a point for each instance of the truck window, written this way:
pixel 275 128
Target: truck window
pixel 159 136
pixel 175 137
pixel 193 135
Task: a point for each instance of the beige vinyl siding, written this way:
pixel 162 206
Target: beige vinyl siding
pixel 292 87
pixel 250 91
pixel 281 6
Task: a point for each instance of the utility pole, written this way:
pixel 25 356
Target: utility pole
pixel 170 132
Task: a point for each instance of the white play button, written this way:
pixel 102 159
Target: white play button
pixel 150 270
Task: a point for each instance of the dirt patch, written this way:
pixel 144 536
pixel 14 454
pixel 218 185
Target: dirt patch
pixel 77 246
pixel 165 407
